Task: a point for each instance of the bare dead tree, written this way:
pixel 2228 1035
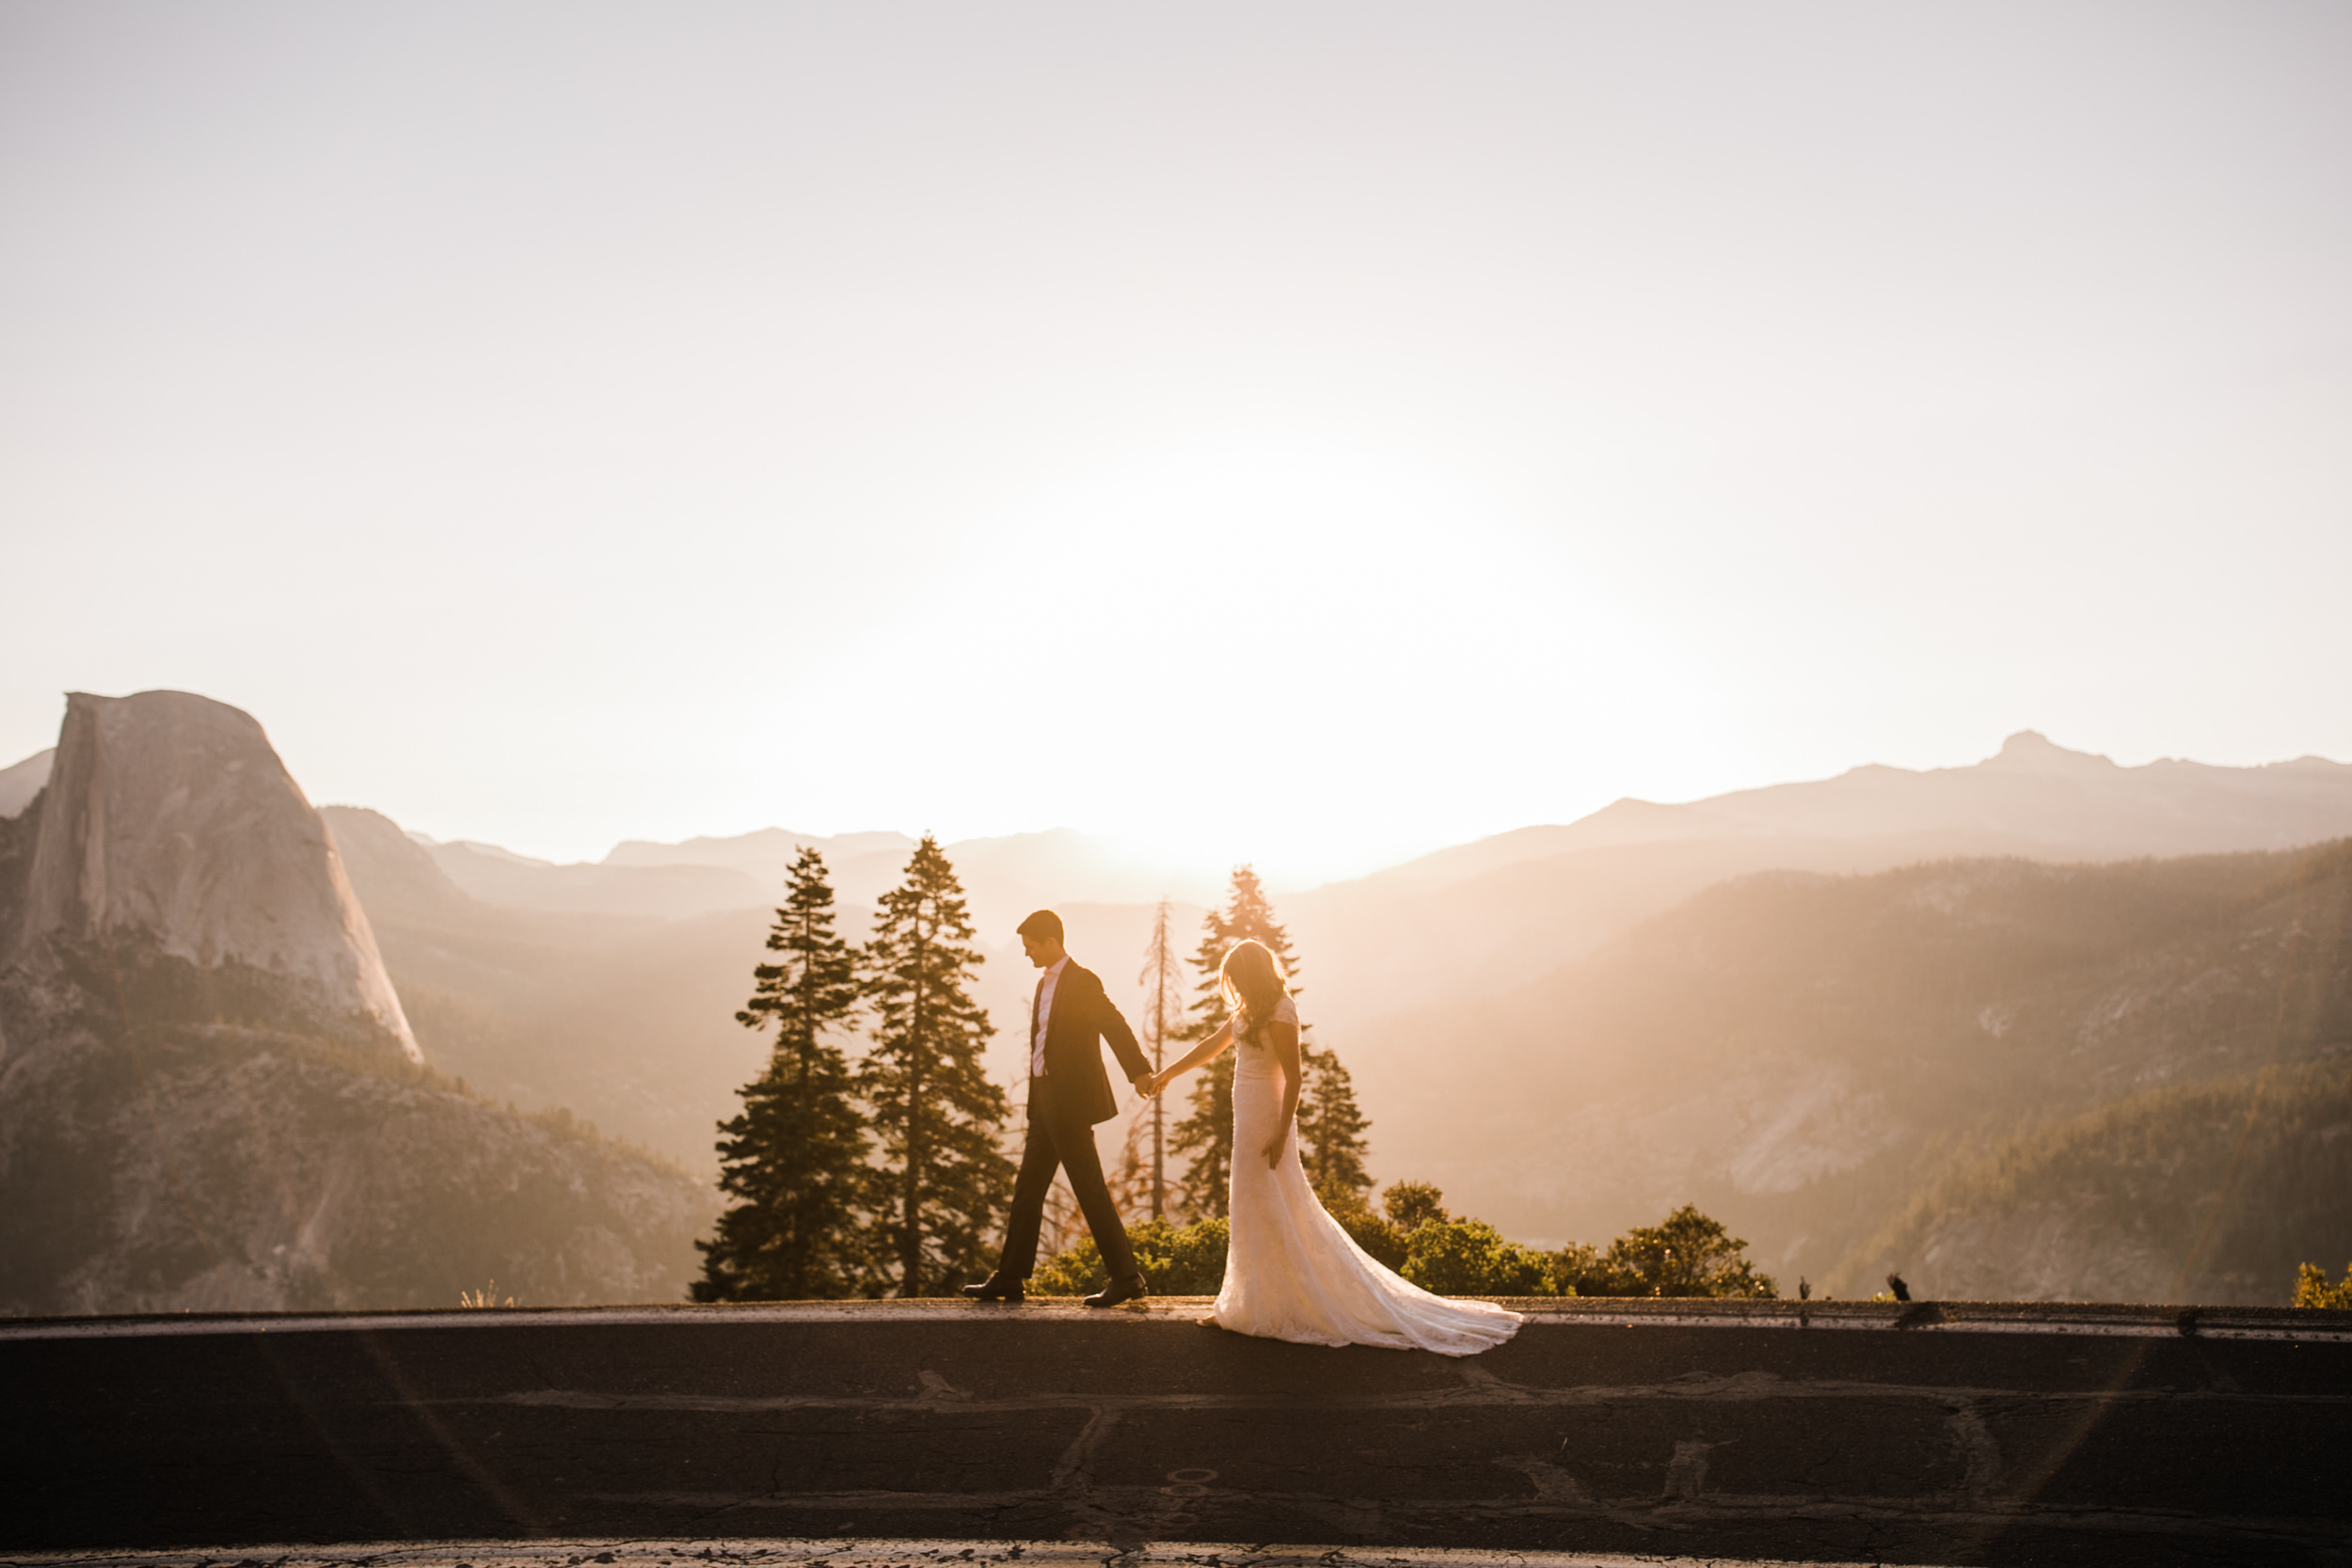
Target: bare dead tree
pixel 1160 978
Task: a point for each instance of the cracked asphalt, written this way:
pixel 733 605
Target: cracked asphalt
pixel 2017 1434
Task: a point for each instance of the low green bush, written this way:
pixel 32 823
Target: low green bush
pixel 1686 1255
pixel 1471 1257
pixel 2312 1289
pixel 1175 1260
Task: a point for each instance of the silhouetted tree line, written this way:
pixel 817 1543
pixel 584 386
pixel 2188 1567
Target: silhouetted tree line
pixel 890 1175
pixel 856 1180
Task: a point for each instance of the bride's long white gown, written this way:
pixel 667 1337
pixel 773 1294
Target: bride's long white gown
pixel 1293 1274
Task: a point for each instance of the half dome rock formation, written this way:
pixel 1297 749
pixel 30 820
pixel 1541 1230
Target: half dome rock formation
pixel 168 823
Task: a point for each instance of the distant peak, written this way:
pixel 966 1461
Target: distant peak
pixel 22 781
pixel 2031 751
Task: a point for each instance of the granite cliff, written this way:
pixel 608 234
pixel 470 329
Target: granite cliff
pixel 168 824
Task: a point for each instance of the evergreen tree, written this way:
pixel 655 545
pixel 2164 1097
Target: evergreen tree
pixel 1205 1138
pixel 795 1158
pixel 944 1181
pixel 1207 1135
pixel 1331 1128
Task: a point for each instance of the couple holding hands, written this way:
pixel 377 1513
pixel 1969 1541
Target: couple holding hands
pixel 1291 1272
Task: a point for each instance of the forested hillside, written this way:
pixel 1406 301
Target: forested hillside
pixel 2202 1191
pixel 181 1164
pixel 1800 1055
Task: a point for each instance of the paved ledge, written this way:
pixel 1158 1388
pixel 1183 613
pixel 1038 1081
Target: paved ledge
pixel 1927 1433
pixel 1970 1317
pixel 844 1553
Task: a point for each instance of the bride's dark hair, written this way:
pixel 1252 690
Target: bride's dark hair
pixel 1251 977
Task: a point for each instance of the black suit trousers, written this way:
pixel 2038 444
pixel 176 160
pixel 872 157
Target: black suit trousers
pixel 1062 1140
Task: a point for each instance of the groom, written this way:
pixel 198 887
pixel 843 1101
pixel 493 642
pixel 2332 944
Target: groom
pixel 1069 1092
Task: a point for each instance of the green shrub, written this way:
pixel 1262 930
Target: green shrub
pixel 2312 1289
pixel 1685 1255
pixel 1576 1270
pixel 1688 1254
pixel 1175 1260
pixel 1415 1236
pixel 1471 1257
pixel 1410 1205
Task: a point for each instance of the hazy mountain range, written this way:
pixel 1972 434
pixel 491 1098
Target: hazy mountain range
pixel 1504 909
pixel 1800 1054
pixel 1805 1006
pixel 1005 877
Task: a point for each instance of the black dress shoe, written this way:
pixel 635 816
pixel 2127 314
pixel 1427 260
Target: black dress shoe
pixel 1119 1292
pixel 997 1288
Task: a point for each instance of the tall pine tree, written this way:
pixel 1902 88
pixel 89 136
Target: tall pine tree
pixel 795 1158
pixel 1331 1128
pixel 1207 1135
pixel 944 1179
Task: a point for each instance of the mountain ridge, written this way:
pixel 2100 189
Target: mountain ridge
pixel 1479 907
pixel 20 782
pixel 2027 798
pixel 1805 807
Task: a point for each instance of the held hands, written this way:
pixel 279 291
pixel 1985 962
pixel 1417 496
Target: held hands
pixel 1148 1085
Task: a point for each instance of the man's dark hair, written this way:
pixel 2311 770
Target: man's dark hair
pixel 1045 926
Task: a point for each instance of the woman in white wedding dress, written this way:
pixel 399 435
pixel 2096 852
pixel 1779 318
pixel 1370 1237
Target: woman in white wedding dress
pixel 1291 1272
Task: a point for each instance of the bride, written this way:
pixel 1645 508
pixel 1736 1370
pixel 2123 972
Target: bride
pixel 1291 1272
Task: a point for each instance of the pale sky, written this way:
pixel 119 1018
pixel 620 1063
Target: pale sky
pixel 1300 433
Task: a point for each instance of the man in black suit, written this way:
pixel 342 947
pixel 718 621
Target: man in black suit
pixel 1069 1092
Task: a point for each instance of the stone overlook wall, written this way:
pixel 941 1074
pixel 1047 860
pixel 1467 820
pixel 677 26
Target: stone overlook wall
pixel 1684 1430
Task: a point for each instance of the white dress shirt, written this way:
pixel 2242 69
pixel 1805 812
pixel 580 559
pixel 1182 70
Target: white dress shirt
pixel 1045 1014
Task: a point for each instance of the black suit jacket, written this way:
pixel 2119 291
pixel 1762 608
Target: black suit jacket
pixel 1083 1017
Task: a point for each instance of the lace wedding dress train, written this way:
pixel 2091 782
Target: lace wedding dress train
pixel 1293 1274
